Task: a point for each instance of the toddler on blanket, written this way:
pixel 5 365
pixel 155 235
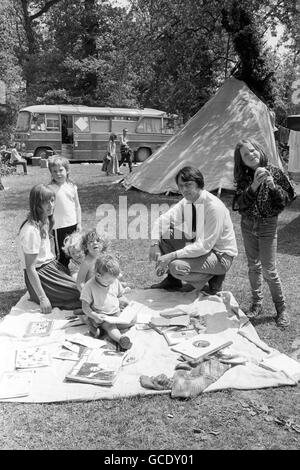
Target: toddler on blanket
pixel 103 298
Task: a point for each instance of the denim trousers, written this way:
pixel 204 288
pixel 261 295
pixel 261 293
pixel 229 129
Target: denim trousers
pixel 195 271
pixel 260 241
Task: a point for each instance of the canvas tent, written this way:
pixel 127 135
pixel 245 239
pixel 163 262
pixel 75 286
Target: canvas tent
pixel 207 141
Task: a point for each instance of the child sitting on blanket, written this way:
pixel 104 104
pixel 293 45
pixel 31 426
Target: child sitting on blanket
pixel 73 249
pixel 103 299
pixel 92 245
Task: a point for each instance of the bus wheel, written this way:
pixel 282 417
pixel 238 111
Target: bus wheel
pixel 42 152
pixel 142 154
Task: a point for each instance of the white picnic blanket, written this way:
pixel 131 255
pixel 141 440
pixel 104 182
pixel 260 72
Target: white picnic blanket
pixel 151 353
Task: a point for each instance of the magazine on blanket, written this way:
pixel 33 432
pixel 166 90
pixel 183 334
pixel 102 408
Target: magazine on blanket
pixel 32 357
pixel 84 340
pixel 39 328
pixel 200 346
pixel 15 384
pixel 99 367
pixel 69 351
pixel 177 334
pixel 159 321
pixel 172 312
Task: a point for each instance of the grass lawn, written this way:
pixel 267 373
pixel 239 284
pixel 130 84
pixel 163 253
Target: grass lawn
pixel 259 419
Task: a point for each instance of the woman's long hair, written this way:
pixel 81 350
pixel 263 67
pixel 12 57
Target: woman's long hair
pixel 242 173
pixel 39 195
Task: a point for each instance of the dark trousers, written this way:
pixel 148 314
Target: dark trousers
pixel 59 236
pixel 23 163
pixel 126 156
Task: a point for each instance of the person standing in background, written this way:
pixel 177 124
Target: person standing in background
pixel 126 152
pixel 113 162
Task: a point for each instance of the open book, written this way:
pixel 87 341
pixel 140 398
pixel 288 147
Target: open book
pixel 99 367
pixel 127 317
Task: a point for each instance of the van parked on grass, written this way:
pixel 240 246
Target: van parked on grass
pixel 81 133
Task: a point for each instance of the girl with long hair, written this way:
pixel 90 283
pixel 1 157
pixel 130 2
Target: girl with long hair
pixel 47 281
pixel 262 192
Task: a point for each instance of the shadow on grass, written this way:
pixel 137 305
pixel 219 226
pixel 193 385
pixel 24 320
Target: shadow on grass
pixel 262 320
pixel 9 299
pixel 288 238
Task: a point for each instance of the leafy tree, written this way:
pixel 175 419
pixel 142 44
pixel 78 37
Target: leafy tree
pixel 255 66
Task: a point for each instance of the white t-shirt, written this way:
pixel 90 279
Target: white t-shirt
pixel 102 299
pixel 65 214
pixel 30 242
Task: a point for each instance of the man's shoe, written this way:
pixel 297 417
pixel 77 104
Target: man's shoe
pixel 215 283
pixel 187 288
pixel 254 311
pixel 170 283
pixel 282 319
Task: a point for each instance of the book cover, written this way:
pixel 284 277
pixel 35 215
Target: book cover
pixel 85 340
pixel 177 334
pixel 97 367
pixel 65 354
pixel 200 346
pixel 39 328
pixel 182 320
pixel 15 384
pixel 69 351
pixel 32 357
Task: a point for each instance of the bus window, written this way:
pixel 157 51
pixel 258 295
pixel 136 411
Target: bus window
pixel 118 123
pixel 100 124
pixel 52 121
pixel 81 124
pixel 23 122
pixel 149 125
pixel 38 122
pixel 168 126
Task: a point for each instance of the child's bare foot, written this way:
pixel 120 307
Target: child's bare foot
pixel 125 342
pixel 94 331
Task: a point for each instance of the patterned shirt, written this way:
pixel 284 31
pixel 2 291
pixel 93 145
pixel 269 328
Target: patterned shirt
pixel 265 202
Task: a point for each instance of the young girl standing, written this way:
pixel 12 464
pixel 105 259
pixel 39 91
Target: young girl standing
pixel 113 162
pixel 262 191
pixel 67 211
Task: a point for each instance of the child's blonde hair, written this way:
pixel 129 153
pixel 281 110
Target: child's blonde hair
pixel 91 236
pixel 73 241
pixel 57 160
pixel 107 264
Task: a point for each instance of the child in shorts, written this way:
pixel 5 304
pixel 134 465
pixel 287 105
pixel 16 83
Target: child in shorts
pixel 103 299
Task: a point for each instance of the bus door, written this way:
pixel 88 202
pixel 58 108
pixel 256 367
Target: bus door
pixel 67 135
pixel 82 138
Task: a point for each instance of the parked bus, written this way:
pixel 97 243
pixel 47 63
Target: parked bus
pixel 81 133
